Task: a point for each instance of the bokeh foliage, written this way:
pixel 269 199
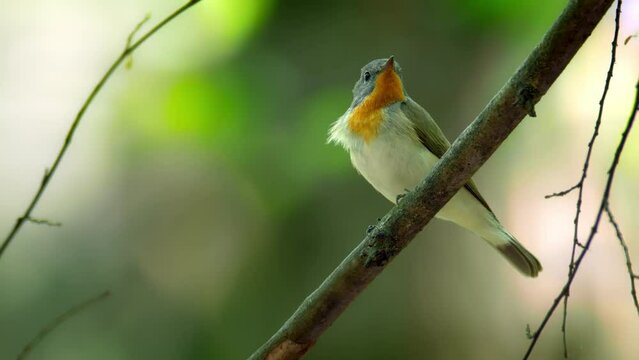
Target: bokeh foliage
pixel 221 205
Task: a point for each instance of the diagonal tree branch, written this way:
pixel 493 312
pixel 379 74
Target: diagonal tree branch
pixel 471 149
pixel 48 174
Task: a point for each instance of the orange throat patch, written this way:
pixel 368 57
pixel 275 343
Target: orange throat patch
pixel 366 118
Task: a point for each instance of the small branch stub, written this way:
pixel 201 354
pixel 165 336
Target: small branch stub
pixel 527 97
pixel 44 222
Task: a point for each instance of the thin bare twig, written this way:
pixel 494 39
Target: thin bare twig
pixel 48 174
pixel 44 222
pixel 580 184
pixel 129 40
pixel 604 202
pixel 631 274
pixel 58 321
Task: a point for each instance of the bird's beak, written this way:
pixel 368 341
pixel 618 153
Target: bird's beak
pixel 390 64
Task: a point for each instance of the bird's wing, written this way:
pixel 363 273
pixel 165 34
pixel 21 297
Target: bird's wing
pixel 432 137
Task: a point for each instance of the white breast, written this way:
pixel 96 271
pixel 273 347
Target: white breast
pixel 393 163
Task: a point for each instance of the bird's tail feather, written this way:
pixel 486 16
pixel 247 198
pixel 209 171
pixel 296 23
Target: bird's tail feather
pixel 514 251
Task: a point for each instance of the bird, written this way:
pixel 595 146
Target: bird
pixel 394 143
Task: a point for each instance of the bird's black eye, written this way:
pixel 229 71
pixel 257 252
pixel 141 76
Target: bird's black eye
pixel 367 76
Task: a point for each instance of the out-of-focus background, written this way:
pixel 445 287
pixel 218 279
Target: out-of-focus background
pixel 200 191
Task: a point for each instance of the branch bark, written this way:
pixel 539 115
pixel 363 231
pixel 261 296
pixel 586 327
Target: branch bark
pixel 471 149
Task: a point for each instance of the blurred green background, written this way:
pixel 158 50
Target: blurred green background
pixel 200 190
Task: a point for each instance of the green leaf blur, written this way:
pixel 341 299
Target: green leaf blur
pixel 200 189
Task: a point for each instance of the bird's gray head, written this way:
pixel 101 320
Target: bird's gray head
pixel 370 74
